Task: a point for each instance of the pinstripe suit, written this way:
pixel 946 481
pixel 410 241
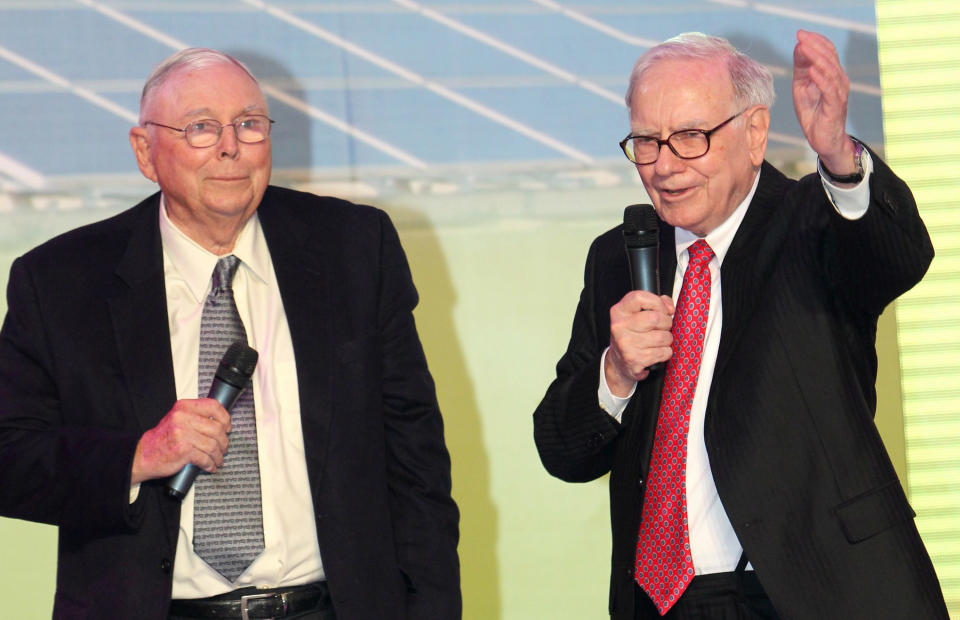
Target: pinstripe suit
pixel 798 463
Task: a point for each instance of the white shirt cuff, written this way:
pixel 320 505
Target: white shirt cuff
pixel 613 405
pixel 850 202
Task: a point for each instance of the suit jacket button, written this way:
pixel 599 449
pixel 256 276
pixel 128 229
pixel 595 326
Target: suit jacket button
pixel 166 565
pixel 594 440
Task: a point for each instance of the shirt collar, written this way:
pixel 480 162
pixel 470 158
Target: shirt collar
pixel 195 264
pixel 720 237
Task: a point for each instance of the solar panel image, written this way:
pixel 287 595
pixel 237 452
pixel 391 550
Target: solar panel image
pixel 383 90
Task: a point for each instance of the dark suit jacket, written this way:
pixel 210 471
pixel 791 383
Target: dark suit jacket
pixel 86 368
pixel 797 460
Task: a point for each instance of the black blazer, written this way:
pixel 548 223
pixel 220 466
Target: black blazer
pixel 86 368
pixel 797 460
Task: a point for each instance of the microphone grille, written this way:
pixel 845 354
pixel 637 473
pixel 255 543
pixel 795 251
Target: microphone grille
pixel 640 218
pixel 237 365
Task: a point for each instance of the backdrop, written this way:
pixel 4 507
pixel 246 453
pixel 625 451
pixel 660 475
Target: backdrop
pixel 488 130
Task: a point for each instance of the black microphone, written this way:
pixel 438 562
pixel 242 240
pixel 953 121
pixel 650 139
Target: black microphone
pixel 232 377
pixel 641 239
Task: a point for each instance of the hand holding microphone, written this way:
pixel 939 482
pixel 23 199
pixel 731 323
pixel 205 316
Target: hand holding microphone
pixel 640 323
pixel 229 381
pixel 641 239
pixel 195 430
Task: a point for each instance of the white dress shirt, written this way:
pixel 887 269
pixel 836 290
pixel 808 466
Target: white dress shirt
pixel 291 553
pixel 713 543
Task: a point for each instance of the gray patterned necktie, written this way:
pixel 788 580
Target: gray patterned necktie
pixel 227 517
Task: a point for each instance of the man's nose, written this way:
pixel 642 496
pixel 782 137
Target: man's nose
pixel 667 161
pixel 229 144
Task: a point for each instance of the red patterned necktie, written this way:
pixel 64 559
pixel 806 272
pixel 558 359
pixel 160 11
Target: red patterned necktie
pixel 664 565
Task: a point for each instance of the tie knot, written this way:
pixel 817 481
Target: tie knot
pixel 700 253
pixel 224 271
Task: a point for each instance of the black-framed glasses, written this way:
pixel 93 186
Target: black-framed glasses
pixel 685 144
pixel 204 133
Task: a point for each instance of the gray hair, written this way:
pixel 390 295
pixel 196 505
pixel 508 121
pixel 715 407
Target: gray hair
pixel 752 82
pixel 192 58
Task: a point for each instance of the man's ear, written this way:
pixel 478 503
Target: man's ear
pixel 758 126
pixel 140 142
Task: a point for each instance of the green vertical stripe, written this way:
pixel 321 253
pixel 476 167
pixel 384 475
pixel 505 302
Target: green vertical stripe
pixel 920 76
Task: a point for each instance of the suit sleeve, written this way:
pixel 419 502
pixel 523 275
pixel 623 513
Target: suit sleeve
pixel 53 468
pixel 424 515
pixel 574 436
pixel 872 260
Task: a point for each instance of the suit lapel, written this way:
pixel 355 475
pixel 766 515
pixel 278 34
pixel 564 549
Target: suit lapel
pixel 138 310
pixel 745 268
pixel 648 402
pixel 668 258
pixel 139 313
pixel 299 262
pixel 641 414
pixel 749 260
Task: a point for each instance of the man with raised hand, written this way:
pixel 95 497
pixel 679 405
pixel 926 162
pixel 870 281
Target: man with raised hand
pixel 747 478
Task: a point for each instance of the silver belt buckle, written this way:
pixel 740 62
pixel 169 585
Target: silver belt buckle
pixel 244 600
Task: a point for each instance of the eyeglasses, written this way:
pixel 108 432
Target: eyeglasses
pixel 685 144
pixel 204 133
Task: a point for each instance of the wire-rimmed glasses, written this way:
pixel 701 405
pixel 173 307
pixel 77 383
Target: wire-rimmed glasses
pixel 204 133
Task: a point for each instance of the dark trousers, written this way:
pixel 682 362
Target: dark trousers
pixel 720 596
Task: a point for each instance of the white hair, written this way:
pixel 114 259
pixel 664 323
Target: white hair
pixel 193 58
pixel 752 82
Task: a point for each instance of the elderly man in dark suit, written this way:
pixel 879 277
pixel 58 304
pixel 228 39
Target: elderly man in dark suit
pixel 333 484
pixel 747 479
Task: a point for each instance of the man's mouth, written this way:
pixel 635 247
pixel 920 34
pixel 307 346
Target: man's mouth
pixel 674 192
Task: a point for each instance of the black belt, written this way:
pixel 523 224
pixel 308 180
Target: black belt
pixel 255 603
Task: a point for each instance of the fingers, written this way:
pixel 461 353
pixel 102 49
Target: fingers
pixel 210 408
pixel 193 431
pixel 200 427
pixel 639 337
pixel 815 58
pixel 812 46
pixel 636 301
pixel 820 92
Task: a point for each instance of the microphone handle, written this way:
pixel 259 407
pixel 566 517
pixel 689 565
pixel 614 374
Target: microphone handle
pixel 645 275
pixel 224 393
pixel 179 485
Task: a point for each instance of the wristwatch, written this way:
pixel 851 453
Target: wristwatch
pixel 857 176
